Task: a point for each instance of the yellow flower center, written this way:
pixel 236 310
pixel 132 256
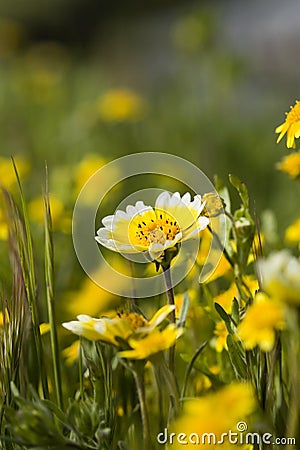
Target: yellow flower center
pixel 148 231
pixel 135 320
pixel 294 114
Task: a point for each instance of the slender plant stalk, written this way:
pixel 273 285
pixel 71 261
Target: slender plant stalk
pixel 139 381
pixel 80 368
pixel 49 277
pixel 190 367
pixel 294 365
pixel 170 296
pixel 25 250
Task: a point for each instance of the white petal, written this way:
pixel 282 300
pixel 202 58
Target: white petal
pixel 108 221
pixel 103 233
pixel 163 201
pixel 186 198
pixel 84 318
pixel 175 199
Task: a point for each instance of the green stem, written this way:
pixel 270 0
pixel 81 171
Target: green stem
pixel 80 368
pixel 171 301
pixel 49 277
pixel 139 381
pixel 190 367
pixel 294 364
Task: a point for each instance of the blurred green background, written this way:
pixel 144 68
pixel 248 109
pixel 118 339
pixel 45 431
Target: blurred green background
pixel 84 82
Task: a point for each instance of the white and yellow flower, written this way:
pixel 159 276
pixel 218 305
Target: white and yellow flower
pixel 145 229
pixel 122 326
pixel 281 276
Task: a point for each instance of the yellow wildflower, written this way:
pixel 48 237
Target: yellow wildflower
pixel 7 174
pixel 44 328
pixel 121 327
pixel 261 320
pixel 2 318
pixel 91 299
pixel 153 343
pixel 290 164
pixel 3 226
pixel 281 276
pixel 221 334
pixel 225 299
pixel 71 353
pixel 119 105
pixel 214 413
pixel 153 230
pixel 86 168
pixel 292 233
pixel 60 219
pixel 291 126
pixel 223 267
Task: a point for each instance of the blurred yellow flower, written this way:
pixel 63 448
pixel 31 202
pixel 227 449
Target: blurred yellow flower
pixel 261 320
pixel 223 267
pixel 120 327
pixel 280 274
pixel 291 126
pixel 43 84
pixel 153 343
pixel 290 164
pixel 60 219
pixel 7 174
pixel 292 233
pixel 91 299
pixel 85 169
pixel 221 334
pixel 3 226
pixel 2 318
pixel 44 328
pixel 120 105
pixel 216 413
pixel 225 299
pixel 71 353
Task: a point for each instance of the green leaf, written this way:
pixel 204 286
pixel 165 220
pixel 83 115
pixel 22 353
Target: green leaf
pixel 241 188
pixel 235 311
pixel 236 357
pixel 184 310
pixel 226 317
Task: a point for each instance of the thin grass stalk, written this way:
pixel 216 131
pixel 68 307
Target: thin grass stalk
pixel 49 278
pixel 139 381
pixel 21 240
pixel 171 301
pixel 80 369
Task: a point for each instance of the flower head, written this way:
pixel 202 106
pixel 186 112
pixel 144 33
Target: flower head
pixel 153 343
pixel 145 229
pixel 281 276
pixel 119 105
pixel 262 318
pixel 221 334
pixel 121 327
pixel 291 126
pixel 292 233
pixel 7 174
pixel 214 413
pixel 290 165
